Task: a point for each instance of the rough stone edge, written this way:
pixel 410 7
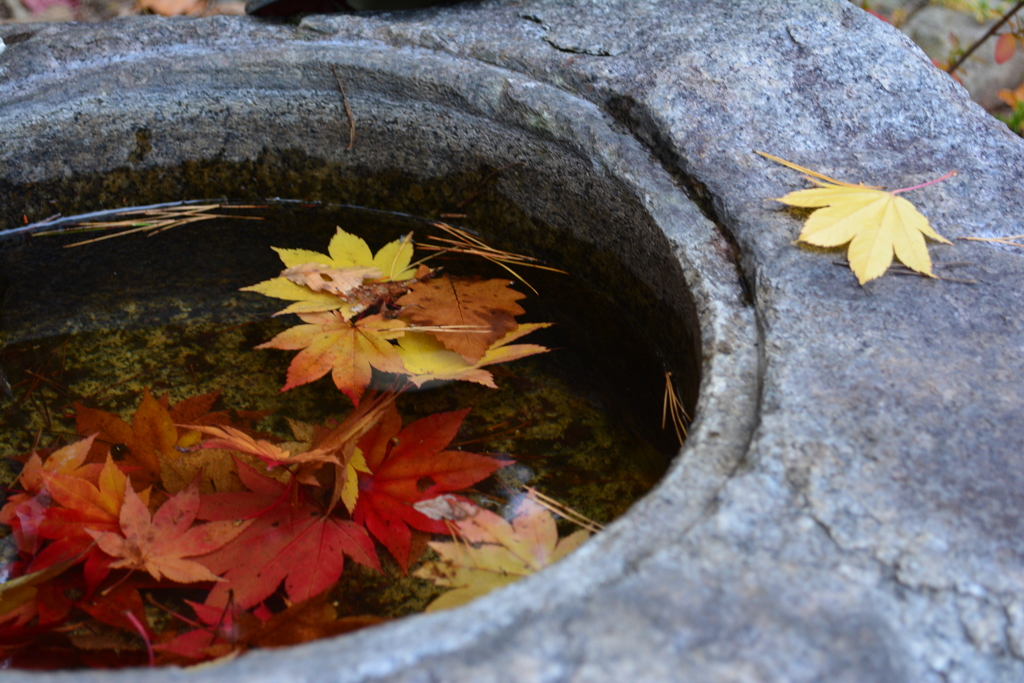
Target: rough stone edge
pixel 728 405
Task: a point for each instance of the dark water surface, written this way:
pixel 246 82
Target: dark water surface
pixel 99 323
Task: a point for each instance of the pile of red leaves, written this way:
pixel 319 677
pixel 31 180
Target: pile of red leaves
pixel 108 531
pixel 130 512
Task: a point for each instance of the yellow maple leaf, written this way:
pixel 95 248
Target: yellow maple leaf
pixel 492 552
pixel 427 359
pixel 877 224
pixel 345 252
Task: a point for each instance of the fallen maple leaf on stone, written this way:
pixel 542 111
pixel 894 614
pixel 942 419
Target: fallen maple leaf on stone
pixel 492 552
pixel 876 223
pixel 1006 45
pixel 426 359
pixel 290 541
pixel 485 310
pixel 160 544
pixel 345 251
pixel 409 466
pixel 346 349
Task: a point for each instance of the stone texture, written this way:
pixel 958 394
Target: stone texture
pixel 849 506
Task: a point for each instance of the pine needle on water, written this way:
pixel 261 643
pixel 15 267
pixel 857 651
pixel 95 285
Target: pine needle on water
pixel 153 221
pixel 565 511
pixel 465 243
pixel 671 405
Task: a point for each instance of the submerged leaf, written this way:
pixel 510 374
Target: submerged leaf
pixel 151 436
pixel 15 593
pixel 492 553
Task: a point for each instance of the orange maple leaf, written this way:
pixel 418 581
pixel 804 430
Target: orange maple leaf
pixel 68 460
pixel 485 310
pixel 160 544
pixel 346 349
pixel 151 434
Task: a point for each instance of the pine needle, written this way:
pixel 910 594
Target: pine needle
pixel 671 405
pixel 565 511
pixel 465 243
pixel 473 329
pixel 1008 241
pixel 812 174
pixel 153 221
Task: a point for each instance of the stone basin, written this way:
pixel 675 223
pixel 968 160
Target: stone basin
pixel 848 506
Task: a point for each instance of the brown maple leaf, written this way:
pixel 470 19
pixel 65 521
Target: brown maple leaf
pixel 321 277
pixel 485 310
pixel 151 434
pixel 160 544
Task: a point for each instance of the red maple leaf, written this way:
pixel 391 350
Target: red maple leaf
pixel 289 540
pixel 408 466
pixel 223 630
pixel 161 543
pixel 24 511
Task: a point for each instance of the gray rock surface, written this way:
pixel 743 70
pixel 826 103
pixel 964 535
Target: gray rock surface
pixel 849 507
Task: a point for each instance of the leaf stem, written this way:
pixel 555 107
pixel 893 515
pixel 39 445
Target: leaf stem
pixel 142 632
pixel 813 174
pixel 930 182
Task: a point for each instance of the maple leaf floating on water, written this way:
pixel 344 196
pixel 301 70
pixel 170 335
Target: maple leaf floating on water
pixel 351 322
pixel 408 466
pixel 152 434
pixel 485 310
pixel 311 277
pixel 347 349
pixel 79 495
pixel 876 223
pixel 160 543
pixel 426 359
pixel 290 541
pixel 490 552
pixel 228 438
